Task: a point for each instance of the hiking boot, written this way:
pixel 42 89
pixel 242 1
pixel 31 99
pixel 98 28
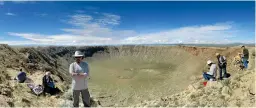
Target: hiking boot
pixel 220 79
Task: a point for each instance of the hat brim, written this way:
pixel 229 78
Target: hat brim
pixel 78 55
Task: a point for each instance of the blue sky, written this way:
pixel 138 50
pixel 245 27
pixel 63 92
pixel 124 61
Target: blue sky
pixel 104 23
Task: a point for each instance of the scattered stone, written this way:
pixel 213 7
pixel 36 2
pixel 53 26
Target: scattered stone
pixel 226 91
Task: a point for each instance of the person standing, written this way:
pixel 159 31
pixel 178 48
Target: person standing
pixel 245 56
pixel 222 64
pixel 79 71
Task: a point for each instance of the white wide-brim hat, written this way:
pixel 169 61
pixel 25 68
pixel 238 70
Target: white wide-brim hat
pixel 209 62
pixel 48 73
pixel 78 54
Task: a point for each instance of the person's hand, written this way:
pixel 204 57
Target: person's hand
pixel 74 74
pixel 83 74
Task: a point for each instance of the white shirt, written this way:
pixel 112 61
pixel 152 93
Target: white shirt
pixel 213 70
pixel 79 83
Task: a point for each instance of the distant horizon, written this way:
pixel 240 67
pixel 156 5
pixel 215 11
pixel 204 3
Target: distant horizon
pixel 209 45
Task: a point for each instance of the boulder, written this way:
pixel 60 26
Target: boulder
pixel 226 91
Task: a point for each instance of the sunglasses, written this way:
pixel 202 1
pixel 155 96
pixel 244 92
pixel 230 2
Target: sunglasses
pixel 78 57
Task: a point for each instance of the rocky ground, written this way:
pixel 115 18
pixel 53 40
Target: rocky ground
pixel 235 91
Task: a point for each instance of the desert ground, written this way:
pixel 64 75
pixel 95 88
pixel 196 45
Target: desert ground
pixel 129 76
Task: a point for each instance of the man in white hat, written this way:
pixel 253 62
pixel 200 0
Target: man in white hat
pixel 211 75
pixel 79 71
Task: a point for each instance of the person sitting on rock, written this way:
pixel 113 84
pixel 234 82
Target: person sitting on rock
pixel 211 75
pixel 48 84
pixel 21 77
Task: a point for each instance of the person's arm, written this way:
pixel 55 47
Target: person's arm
pixel 210 71
pixel 222 61
pixel 71 69
pixel 44 81
pixel 88 71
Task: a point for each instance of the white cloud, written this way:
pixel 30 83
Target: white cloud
pixel 20 43
pixel 89 26
pixel 10 14
pixel 58 39
pixel 80 20
pixel 88 30
pixel 109 19
pixel 193 34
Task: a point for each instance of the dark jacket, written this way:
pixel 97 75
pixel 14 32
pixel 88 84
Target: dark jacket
pixel 222 62
pixel 47 87
pixel 22 76
pixel 46 81
pixel 246 53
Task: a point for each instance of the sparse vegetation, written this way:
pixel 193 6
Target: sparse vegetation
pixel 127 75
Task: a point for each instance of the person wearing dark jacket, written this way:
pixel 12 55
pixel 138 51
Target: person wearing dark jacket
pixel 48 85
pixel 245 57
pixel 222 64
pixel 21 77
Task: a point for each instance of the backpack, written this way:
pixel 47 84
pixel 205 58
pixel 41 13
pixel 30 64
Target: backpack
pixel 38 89
pixel 51 84
pixel 223 58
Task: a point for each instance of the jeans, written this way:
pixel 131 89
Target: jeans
pixel 85 97
pixel 245 63
pixel 224 70
pixel 207 76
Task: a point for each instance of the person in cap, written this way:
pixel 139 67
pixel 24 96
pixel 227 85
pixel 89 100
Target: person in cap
pixel 79 71
pixel 21 77
pixel 211 75
pixel 245 57
pixel 222 64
